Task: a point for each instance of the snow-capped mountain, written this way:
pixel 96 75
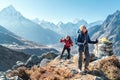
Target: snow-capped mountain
pixel 61 28
pixel 69 28
pixel 111 30
pixel 12 41
pixel 18 24
pixel 47 25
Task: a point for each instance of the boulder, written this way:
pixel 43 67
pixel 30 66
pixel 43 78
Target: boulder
pixel 33 60
pixel 99 78
pixel 73 71
pixel 15 78
pixel 48 55
pixel 18 64
pixel 44 62
pixel 2 76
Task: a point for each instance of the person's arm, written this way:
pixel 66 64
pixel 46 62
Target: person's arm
pixel 92 42
pixel 62 40
pixel 79 40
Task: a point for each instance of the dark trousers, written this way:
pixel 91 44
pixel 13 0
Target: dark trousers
pixel 87 56
pixel 68 50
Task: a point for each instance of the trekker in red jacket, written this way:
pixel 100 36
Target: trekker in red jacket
pixel 68 42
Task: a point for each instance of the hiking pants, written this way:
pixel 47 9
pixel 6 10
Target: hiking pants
pixel 84 49
pixel 68 50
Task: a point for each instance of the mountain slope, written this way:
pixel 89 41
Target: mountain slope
pixel 15 22
pixel 12 41
pixel 8 38
pixel 111 30
pixel 8 57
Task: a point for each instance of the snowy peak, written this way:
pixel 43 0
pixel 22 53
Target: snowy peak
pixel 112 19
pixel 117 13
pixel 111 30
pixel 60 23
pixel 77 21
pixel 36 20
pixel 10 8
pixel 10 11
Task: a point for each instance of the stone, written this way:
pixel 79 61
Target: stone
pixel 44 62
pixel 73 71
pixel 2 76
pixel 18 64
pixel 49 55
pixel 15 78
pixel 69 61
pixel 33 60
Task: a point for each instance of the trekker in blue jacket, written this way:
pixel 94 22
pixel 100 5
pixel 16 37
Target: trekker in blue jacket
pixel 82 41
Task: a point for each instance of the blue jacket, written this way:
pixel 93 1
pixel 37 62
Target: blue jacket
pixel 81 39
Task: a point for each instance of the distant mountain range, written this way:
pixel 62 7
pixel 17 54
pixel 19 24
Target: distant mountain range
pixel 63 29
pixel 21 26
pixel 109 29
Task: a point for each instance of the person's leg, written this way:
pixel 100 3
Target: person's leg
pixel 80 59
pixel 68 50
pixel 62 52
pixel 87 57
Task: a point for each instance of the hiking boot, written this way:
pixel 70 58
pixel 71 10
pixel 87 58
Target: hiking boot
pixel 79 71
pixel 84 72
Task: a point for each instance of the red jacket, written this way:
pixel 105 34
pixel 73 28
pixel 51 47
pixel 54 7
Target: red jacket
pixel 68 43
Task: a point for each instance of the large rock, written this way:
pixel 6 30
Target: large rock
pixel 48 55
pixel 18 64
pixel 103 48
pixel 2 76
pixel 99 78
pixel 33 60
pixel 15 78
pixel 44 62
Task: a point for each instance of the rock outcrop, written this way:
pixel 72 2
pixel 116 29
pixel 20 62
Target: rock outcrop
pixel 8 58
pixel 103 69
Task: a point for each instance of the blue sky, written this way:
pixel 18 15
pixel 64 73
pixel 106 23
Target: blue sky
pixel 64 10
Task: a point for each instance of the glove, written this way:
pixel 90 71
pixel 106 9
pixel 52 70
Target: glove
pixel 96 41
